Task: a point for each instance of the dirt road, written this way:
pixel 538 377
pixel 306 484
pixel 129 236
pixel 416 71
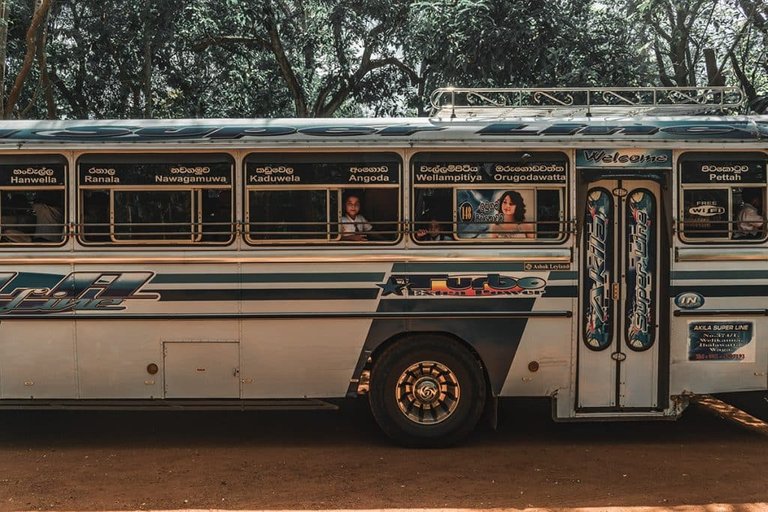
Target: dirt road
pixel 110 460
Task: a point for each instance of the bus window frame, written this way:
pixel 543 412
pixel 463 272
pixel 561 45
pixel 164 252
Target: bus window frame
pixel 266 188
pixel 195 225
pixel 41 159
pixel 339 188
pixel 196 238
pixel 731 224
pixel 548 156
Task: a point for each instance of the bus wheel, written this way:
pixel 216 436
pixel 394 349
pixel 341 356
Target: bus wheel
pixel 427 391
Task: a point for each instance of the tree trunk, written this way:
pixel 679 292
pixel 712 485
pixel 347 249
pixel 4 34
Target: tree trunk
pixel 714 78
pixel 3 52
pixel 39 16
pixel 147 63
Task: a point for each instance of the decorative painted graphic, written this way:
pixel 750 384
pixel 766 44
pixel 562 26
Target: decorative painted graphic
pixel 641 270
pixel 462 285
pixel 728 129
pixel 598 241
pixel 721 341
pixel 40 294
pixel 495 213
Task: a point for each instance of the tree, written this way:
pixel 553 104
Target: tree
pixel 35 47
pixel 535 43
pixel 325 52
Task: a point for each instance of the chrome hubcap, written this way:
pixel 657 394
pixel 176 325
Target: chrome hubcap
pixel 427 392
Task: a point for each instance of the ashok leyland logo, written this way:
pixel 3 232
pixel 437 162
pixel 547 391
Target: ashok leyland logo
pixel 31 293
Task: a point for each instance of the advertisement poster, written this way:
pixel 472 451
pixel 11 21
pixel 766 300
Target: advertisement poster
pixel 721 341
pixel 481 215
pixel 705 213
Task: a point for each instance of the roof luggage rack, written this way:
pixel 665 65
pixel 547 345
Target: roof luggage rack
pixel 467 103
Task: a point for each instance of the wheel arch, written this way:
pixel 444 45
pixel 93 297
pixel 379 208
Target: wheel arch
pixel 402 337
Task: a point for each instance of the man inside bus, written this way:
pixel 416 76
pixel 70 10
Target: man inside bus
pixel 49 217
pixel 751 222
pixel 353 225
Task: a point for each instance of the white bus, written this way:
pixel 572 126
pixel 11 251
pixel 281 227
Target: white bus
pixel 611 256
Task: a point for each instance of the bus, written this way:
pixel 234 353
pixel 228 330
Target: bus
pixel 603 248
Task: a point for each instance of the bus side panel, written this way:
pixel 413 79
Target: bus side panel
pixel 542 364
pixel 37 351
pixel 37 358
pixel 727 352
pixel 300 358
pixel 162 305
pixel 115 356
pixel 312 356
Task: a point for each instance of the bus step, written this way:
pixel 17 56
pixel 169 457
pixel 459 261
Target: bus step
pixel 730 413
pixel 170 404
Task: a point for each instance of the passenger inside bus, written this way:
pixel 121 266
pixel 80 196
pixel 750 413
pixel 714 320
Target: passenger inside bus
pixel 354 226
pixel 433 231
pixel 512 211
pixel 750 222
pixel 43 221
pixel 49 216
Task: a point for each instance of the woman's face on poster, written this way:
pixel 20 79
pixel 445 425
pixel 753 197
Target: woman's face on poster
pixel 508 206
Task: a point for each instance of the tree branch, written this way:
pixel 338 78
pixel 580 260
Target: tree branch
pixel 37 20
pixel 276 45
pixel 229 40
pixel 749 89
pixel 666 81
pixel 45 82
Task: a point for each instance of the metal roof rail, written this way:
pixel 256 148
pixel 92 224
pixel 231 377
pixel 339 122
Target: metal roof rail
pixel 498 103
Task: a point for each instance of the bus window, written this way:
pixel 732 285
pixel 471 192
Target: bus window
pixel 322 198
pixel 705 213
pixel 32 200
pixel 723 197
pixel 749 216
pixel 482 197
pixel 155 215
pixel 158 199
pixel 289 214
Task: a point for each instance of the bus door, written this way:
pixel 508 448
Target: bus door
pixel 621 246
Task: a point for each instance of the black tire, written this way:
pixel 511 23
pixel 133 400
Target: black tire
pixel 427 391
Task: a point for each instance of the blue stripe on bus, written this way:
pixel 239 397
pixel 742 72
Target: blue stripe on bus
pixel 34 280
pixel 723 291
pixel 305 277
pixel 560 291
pixel 268 294
pixel 234 294
pixel 719 274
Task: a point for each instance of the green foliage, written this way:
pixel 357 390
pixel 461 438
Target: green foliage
pixel 284 58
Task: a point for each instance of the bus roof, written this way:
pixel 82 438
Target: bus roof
pixel 385 131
